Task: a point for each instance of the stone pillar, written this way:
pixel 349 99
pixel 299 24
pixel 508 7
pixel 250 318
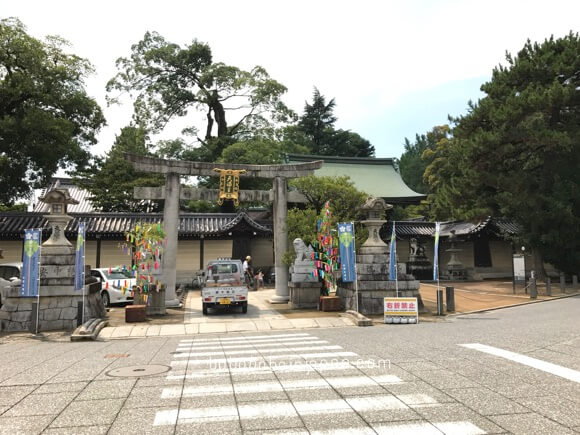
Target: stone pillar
pixel 280 240
pixel 170 226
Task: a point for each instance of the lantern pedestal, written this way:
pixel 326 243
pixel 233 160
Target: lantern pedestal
pixel 304 294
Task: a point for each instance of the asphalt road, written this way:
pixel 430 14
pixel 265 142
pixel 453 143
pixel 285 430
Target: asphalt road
pixel 515 370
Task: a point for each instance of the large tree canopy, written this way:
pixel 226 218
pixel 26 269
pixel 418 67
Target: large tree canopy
pixel 47 121
pixel 517 152
pixel 315 130
pixel 111 179
pixel 413 163
pixel 318 120
pixel 169 80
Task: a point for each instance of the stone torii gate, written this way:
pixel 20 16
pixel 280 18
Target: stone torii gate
pixel 172 193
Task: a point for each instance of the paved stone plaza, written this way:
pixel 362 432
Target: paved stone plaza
pixel 430 378
pixel 260 317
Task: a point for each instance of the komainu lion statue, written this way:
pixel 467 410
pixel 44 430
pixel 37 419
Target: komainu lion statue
pixel 303 252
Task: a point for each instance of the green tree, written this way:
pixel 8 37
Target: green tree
pixel 517 152
pixel 14 207
pixel 110 179
pixel 414 161
pixel 315 129
pixel 47 120
pixel 348 144
pixel 168 81
pixel 318 120
pixel 346 200
pixel 345 204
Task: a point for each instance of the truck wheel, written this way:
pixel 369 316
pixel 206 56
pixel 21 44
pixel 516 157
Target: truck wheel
pixel 244 307
pixel 204 309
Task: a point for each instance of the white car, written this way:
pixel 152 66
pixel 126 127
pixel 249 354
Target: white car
pixel 116 284
pixel 9 272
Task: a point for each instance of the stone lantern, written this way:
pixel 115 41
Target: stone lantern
pixel 58 200
pixel 375 209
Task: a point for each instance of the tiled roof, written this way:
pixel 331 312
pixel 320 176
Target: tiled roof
pixel 506 227
pixel 500 226
pixel 405 229
pixel 80 195
pixel 114 225
pixel 374 176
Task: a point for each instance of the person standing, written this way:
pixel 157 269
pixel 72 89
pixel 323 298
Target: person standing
pixel 249 273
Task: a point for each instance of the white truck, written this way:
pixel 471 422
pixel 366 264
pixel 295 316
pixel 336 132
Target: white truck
pixel 224 285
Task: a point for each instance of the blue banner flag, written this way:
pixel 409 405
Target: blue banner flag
pixel 80 259
pixel 436 252
pixel 347 256
pixel 30 276
pixel 393 256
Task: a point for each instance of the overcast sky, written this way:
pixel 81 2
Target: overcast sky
pixel 395 68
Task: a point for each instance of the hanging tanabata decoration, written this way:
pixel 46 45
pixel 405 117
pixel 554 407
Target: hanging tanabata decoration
pixel 145 242
pixel 325 255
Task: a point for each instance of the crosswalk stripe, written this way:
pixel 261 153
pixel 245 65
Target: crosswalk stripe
pixel 407 429
pixel 343 431
pixel 448 428
pixel 555 369
pixel 255 351
pixel 288 385
pixel 274 343
pixel 242 337
pixel 286 353
pixel 459 428
pixel 253 359
pixel 261 367
pixel 273 410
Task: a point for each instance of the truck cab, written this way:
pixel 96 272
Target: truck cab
pixel 223 285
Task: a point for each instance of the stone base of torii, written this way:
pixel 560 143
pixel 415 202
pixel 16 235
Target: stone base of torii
pixel 173 192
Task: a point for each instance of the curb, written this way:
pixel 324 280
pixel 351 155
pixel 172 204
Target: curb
pixel 554 298
pixel 89 330
pixel 358 318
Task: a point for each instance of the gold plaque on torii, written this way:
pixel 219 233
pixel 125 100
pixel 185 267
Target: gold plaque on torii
pixel 229 184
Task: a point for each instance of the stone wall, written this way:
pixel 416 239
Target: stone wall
pixel 371 301
pixel 56 312
pixel 58 300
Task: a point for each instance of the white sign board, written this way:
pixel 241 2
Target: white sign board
pixel 401 310
pixel 519 267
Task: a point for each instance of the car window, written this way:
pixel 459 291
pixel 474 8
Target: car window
pixel 224 268
pixel 96 274
pixel 7 272
pixel 118 274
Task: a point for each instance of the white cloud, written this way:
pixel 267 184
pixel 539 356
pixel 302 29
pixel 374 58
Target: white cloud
pixel 369 55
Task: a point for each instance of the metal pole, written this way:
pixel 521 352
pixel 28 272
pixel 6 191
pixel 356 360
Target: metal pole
pixel 513 271
pixel 396 268
pixel 548 286
pixel 84 287
pixel 355 271
pixel 34 318
pixel 533 288
pixel 38 282
pixel 450 298
pixel 562 282
pixel 439 302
